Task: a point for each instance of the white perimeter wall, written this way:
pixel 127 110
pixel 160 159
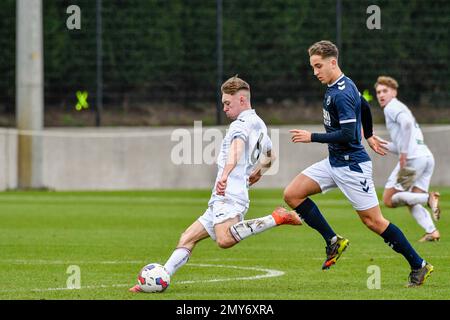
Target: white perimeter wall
pixel 8 159
pixel 141 158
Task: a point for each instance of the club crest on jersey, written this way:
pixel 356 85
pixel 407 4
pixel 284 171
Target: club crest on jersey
pixel 326 118
pixel 328 100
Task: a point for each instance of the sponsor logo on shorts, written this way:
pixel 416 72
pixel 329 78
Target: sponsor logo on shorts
pixel 364 185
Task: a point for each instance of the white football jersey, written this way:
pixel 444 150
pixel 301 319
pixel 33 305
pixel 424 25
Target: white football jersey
pixel 417 147
pixel 253 131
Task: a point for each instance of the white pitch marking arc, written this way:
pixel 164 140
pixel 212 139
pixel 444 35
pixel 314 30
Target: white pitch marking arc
pixel 269 273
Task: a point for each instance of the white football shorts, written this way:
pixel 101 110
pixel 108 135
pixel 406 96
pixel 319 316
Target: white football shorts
pixel 356 184
pixel 424 170
pixel 220 211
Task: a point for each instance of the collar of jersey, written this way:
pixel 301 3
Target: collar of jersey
pixel 330 85
pixel 244 113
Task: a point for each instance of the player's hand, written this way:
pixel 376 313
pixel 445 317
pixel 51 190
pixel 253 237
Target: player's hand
pixel 221 186
pixel 402 160
pixel 300 136
pixel 254 177
pixel 378 145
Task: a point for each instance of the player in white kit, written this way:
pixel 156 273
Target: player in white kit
pixel 245 155
pixel 414 158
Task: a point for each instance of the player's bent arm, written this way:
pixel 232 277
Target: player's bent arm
pixel 346 134
pixel 264 164
pixel 376 144
pixel 236 150
pixel 406 125
pixel 266 161
pixel 392 147
pixel 366 118
pixel 386 145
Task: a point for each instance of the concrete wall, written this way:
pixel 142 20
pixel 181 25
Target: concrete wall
pixel 8 159
pixel 145 158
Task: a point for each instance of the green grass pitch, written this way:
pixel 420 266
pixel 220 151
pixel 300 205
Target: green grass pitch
pixel 111 235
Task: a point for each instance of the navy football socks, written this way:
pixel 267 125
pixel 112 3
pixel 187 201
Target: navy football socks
pixel 395 238
pixel 310 213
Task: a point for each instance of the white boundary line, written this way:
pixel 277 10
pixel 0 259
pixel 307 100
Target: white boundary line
pixel 269 273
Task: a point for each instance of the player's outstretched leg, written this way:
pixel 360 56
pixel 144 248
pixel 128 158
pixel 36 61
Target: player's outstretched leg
pixel 279 216
pixel 336 244
pixel 283 216
pixel 394 237
pixel 423 218
pixel 413 198
pixel 180 256
pixel 296 195
pixel 420 269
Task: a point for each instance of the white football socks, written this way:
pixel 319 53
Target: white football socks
pixel 178 259
pixel 409 198
pixel 247 228
pixel 423 218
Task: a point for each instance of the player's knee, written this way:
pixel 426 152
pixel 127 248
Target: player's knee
pixel 225 243
pixel 377 225
pixel 388 199
pixel 290 197
pixel 388 202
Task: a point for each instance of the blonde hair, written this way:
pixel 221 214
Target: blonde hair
pixel 387 81
pixel 324 49
pixel 234 84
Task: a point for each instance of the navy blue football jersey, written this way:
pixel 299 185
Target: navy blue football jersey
pixel 342 104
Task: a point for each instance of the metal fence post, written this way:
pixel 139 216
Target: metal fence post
pixel 99 58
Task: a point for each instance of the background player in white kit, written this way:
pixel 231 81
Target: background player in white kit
pixel 245 155
pixel 414 155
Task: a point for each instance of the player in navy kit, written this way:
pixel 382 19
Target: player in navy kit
pixel 348 167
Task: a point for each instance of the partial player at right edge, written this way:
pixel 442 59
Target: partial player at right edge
pixel 409 182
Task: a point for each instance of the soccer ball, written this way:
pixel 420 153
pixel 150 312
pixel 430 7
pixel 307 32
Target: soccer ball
pixel 153 278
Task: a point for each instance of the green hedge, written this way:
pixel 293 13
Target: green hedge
pixel 165 51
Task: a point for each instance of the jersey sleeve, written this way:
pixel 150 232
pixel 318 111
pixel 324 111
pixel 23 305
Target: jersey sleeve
pixel 239 130
pixel 345 105
pixel 366 118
